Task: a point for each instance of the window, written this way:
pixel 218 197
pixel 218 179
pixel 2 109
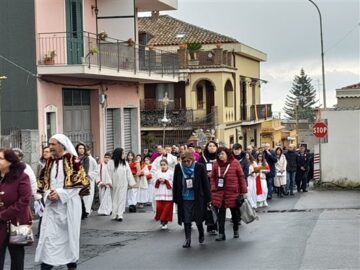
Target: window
pixel 229 94
pixel 200 97
pixel 76 97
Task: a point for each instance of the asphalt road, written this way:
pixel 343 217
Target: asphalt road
pixel 314 230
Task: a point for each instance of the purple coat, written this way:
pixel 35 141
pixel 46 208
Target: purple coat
pixel 15 195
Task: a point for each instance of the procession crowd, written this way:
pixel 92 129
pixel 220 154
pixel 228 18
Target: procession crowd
pixel 70 184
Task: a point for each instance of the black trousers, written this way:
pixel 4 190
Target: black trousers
pixel 45 266
pixel 235 217
pixel 17 255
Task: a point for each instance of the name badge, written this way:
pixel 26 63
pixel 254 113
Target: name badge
pixel 209 167
pixel 220 182
pixel 189 183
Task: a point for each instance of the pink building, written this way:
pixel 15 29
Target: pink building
pixel 91 69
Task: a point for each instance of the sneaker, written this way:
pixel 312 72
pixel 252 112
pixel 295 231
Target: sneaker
pixel 164 227
pixel 213 232
pixel 265 203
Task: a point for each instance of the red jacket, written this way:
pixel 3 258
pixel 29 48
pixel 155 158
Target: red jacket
pixel 234 184
pixel 15 195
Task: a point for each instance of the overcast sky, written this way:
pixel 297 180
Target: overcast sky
pixel 288 31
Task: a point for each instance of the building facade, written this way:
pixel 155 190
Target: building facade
pixel 219 88
pixel 88 69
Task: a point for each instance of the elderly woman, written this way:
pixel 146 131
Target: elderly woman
pixel 15 195
pixel 227 184
pixel 191 193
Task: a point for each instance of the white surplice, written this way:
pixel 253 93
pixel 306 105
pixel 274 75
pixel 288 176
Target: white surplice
pixel 93 174
pixel 121 177
pixel 104 191
pixel 252 197
pixel 60 227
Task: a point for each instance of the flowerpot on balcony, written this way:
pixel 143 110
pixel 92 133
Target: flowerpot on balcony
pixel 49 58
pixel 193 62
pixel 49 61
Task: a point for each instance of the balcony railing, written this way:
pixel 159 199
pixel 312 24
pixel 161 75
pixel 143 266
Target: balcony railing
pixel 182 118
pixel 86 49
pixel 260 112
pixel 153 104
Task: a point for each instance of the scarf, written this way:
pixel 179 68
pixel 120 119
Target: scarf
pixel 189 171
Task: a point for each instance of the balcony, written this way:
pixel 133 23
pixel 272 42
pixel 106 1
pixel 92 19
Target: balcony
pixel 85 55
pixel 181 118
pixel 258 113
pixel 215 58
pixel 229 115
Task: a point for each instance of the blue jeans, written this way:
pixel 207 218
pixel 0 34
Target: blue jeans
pixel 270 183
pixel 290 181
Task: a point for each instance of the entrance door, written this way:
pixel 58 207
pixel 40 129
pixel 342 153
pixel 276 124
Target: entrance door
pixel 74 34
pixel 77 115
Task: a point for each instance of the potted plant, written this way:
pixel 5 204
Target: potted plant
pixel 102 36
pixel 193 48
pixel 49 58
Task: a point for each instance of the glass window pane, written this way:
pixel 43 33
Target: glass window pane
pixel 76 97
pixel 85 96
pixel 67 97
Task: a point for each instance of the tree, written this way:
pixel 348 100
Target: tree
pixel 303 92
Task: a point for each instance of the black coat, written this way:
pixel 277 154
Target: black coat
pixel 271 159
pixel 201 190
pixel 291 158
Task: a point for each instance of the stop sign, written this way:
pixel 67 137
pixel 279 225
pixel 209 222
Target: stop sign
pixel 320 130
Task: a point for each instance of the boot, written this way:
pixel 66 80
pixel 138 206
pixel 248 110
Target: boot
pixel 236 231
pixel 281 191
pixel 220 237
pixel 187 243
pixel 201 233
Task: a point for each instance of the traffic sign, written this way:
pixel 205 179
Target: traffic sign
pixel 320 130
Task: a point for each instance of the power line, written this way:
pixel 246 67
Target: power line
pixel 343 38
pixel 18 66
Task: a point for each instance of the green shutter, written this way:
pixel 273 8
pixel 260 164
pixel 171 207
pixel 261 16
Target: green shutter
pixel 74 29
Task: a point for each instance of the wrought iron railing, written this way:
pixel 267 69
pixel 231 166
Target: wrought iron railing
pixel 64 48
pixel 182 118
pixel 154 104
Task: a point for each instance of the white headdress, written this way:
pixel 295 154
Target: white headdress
pixel 65 141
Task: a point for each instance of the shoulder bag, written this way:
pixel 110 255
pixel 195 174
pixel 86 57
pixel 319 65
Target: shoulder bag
pixel 248 214
pixel 21 235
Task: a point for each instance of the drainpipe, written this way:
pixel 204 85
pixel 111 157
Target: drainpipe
pixel 235 87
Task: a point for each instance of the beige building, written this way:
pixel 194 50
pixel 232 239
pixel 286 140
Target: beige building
pixel 219 87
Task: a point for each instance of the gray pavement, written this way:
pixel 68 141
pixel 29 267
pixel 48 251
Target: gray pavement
pixel 313 230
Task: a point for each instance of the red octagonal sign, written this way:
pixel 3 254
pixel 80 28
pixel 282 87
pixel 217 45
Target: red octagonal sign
pixel 320 129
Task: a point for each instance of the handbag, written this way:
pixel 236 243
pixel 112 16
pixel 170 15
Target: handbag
pixel 248 214
pixel 21 235
pixel 211 216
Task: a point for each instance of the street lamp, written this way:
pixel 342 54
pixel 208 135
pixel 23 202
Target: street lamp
pixel 2 78
pixel 165 121
pixel 322 54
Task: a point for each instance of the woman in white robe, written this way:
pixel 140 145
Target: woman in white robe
pixel 252 197
pixel 260 180
pixel 104 185
pixel 120 177
pixel 93 174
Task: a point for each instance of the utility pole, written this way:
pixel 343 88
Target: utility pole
pixel 322 53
